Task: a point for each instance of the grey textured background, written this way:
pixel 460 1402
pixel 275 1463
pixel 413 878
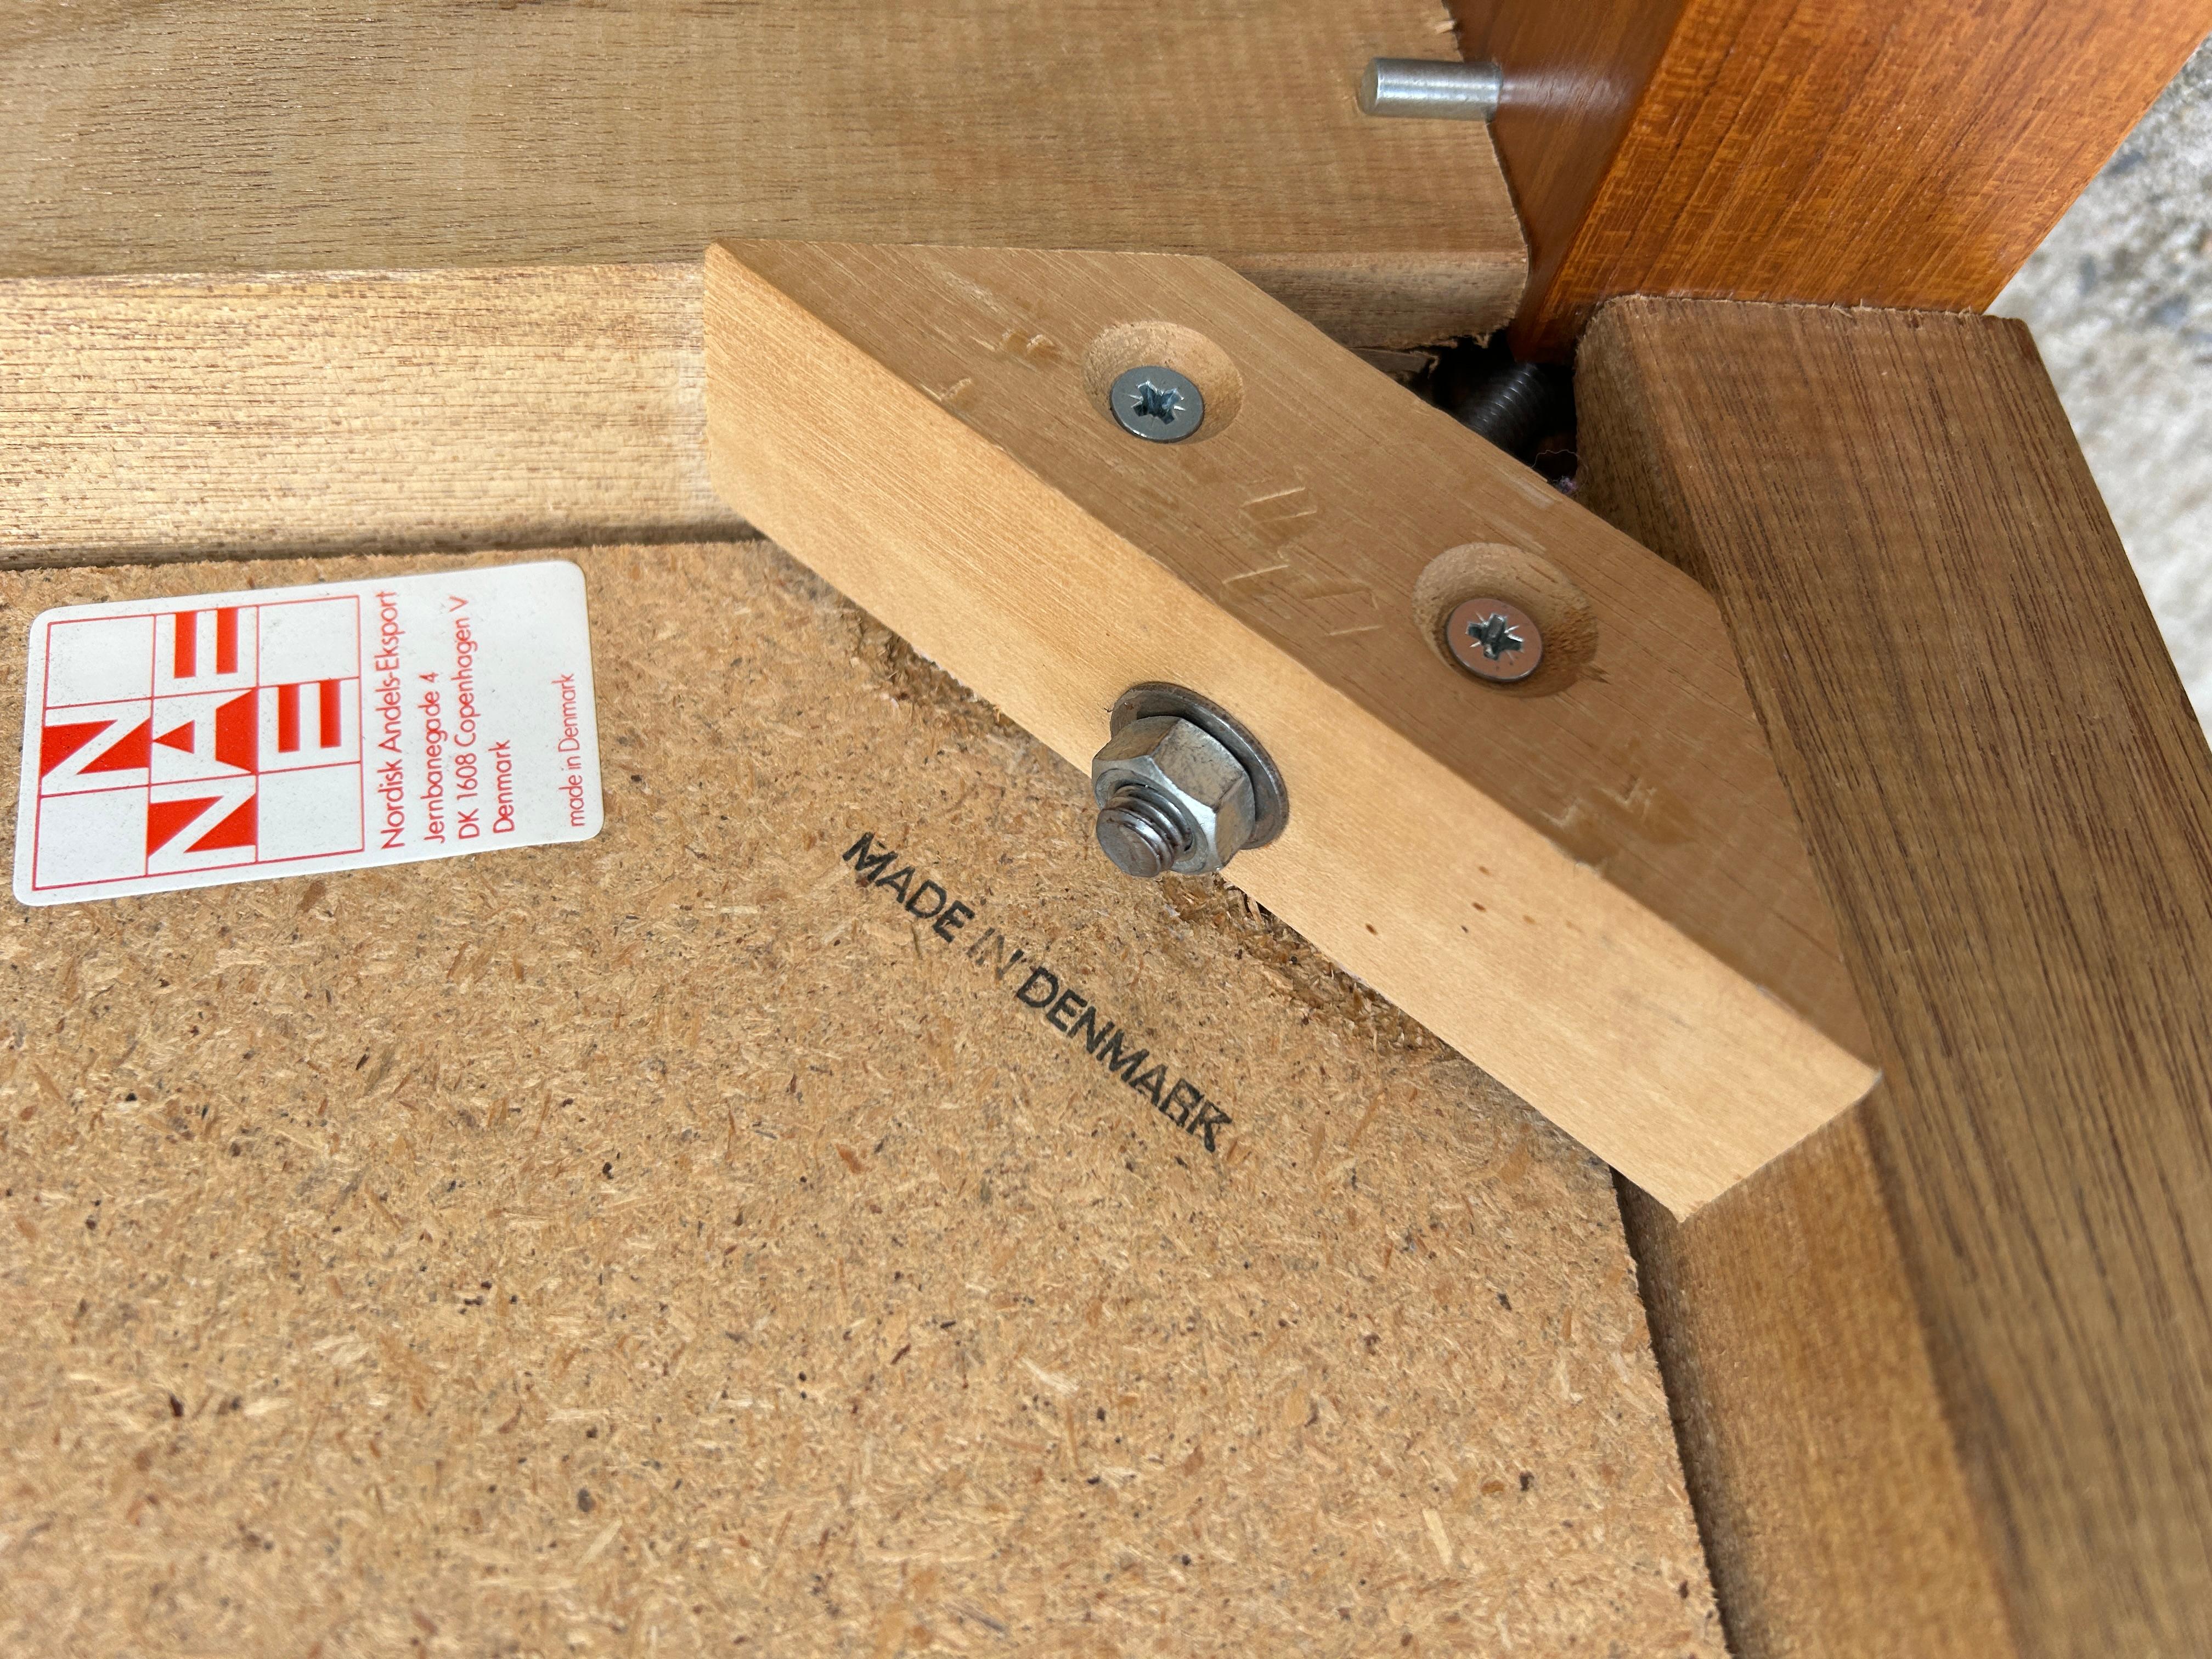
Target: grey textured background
pixel 2120 299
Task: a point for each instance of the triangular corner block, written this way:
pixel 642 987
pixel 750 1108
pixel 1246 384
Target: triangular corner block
pixel 1590 883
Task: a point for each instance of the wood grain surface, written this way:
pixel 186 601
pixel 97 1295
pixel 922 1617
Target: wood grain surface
pixel 666 1241
pixel 150 418
pixel 243 137
pixel 1590 883
pixel 1877 152
pixel 2010 803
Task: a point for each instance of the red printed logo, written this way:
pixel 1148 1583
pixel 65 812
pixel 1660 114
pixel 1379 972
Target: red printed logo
pixel 183 740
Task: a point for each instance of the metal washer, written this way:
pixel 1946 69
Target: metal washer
pixel 1271 799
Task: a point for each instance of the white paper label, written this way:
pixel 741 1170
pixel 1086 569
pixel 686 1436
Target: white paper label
pixel 197 741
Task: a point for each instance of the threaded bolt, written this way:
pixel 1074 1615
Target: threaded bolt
pixel 1182 786
pixel 1505 407
pixel 1142 833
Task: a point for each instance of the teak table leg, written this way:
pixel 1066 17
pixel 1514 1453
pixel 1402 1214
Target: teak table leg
pixel 1944 1373
pixel 1880 152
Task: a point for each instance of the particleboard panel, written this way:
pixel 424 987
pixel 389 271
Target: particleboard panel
pixel 238 136
pixel 2004 1311
pixel 1590 883
pixel 667 1240
pixel 150 418
pixel 1871 152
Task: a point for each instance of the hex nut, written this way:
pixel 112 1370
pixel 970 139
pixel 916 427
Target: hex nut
pixel 1176 765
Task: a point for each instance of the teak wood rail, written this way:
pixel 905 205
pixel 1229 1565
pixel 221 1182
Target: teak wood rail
pixel 1943 1373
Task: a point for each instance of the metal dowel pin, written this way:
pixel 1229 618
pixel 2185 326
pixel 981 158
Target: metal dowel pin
pixel 1432 88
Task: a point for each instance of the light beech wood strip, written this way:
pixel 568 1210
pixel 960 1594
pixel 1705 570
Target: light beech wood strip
pixel 153 418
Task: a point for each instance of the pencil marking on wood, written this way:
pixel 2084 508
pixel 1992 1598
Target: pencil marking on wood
pixel 1282 517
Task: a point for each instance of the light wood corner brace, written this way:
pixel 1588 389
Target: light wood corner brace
pixel 1590 883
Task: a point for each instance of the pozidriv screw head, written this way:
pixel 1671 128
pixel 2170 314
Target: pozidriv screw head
pixel 1157 403
pixel 1494 640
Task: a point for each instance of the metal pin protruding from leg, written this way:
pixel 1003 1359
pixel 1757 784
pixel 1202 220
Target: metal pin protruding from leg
pixel 1433 88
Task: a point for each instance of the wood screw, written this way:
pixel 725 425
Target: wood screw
pixel 1494 640
pixel 1157 403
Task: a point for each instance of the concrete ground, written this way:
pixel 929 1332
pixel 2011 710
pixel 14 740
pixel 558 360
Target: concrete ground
pixel 2120 299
